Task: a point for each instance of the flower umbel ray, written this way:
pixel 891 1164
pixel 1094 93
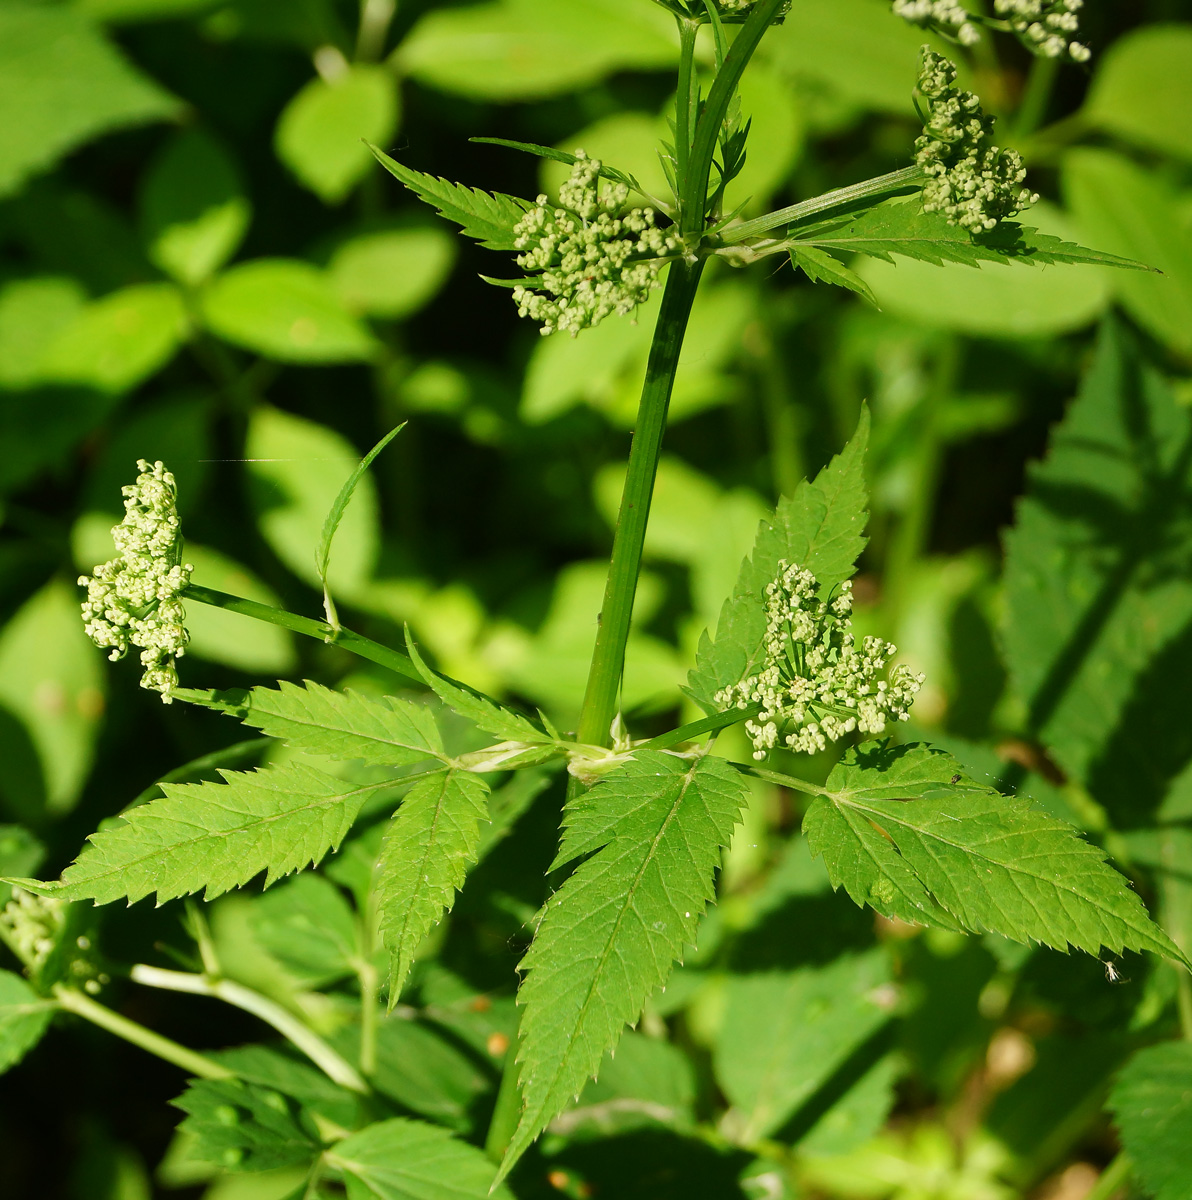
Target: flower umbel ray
pixel 134 598
pixel 815 683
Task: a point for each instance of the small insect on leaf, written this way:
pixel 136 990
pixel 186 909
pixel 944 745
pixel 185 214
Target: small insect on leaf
pixel 955 778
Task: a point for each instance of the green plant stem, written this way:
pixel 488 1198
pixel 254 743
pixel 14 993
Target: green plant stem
pixel 1040 83
pixel 687 101
pixel 506 1112
pixel 712 724
pixel 1112 1179
pixel 787 781
pixel 74 1001
pixel 612 635
pixel 354 642
pixel 303 1037
pixel 895 181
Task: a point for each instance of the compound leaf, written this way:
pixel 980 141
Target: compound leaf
pixel 990 861
pixel 490 716
pixel 217 836
pixel 608 937
pixel 489 217
pixel 243 1126
pixel 820 528
pixel 1152 1101
pixel 345 725
pixel 902 227
pixel 410 1160
pixel 428 846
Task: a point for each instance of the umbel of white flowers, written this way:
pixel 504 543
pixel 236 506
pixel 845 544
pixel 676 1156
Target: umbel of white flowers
pixel 134 598
pixel 1044 26
pixel 971 181
pixel 593 262
pixel 814 680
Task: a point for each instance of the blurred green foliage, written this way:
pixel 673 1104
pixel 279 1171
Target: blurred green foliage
pixel 200 262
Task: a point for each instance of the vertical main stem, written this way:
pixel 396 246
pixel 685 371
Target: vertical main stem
pixel 608 658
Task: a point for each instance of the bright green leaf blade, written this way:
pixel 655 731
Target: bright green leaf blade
pixel 1098 628
pixel 410 1160
pixel 820 267
pixel 345 725
pixel 61 84
pixel 993 862
pixel 286 310
pixel 193 209
pixel 309 927
pixel 394 272
pixel 487 714
pixel 902 227
pixel 243 1126
pixel 610 935
pixel 784 1033
pixel 489 217
pixel 321 135
pixel 217 836
pixel 24 1017
pixel 1152 1104
pixel 821 528
pixel 336 513
pixel 431 840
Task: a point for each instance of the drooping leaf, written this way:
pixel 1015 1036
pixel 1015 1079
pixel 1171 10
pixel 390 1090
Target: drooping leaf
pixel 821 528
pixel 609 936
pixel 387 731
pixel 243 1126
pixel 902 227
pixel 431 840
pixel 490 716
pixel 820 267
pixel 24 1017
pixel 785 1032
pixel 489 217
pixel 560 156
pixel 308 926
pixel 217 836
pixel 410 1160
pixel 1098 628
pixel 990 861
pixel 1152 1103
pixel 336 514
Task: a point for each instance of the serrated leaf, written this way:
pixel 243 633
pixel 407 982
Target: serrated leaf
pixel 991 861
pixel 1098 628
pixel 345 725
pixel 243 1126
pixel 308 926
pixel 561 156
pixel 281 1069
pixel 489 217
pixel 490 716
pixel 820 267
pixel 821 528
pixel 609 936
pixel 24 1017
pixel 1152 1103
pixel 336 514
pixel 410 1160
pixel 430 842
pixel 217 836
pixel 902 227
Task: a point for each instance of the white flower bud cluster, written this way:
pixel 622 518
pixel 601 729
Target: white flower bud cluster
pixel 972 182
pixel 34 925
pixel 945 15
pixel 815 681
pixel 134 599
pixel 593 263
pixel 1046 26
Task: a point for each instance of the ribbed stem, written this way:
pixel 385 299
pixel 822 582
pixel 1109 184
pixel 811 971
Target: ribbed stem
pixel 612 635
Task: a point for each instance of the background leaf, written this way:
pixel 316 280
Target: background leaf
pixel 24 1018
pixel 1152 1104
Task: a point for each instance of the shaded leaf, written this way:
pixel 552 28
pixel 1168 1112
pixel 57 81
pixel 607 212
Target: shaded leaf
pixel 1152 1103
pixel 308 926
pixel 24 1017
